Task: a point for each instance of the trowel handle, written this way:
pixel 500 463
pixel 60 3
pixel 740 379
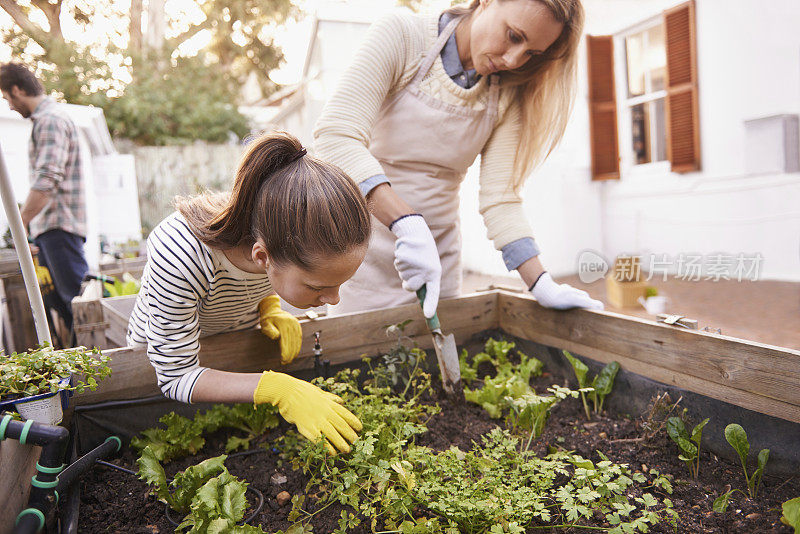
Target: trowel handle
pixel 433 322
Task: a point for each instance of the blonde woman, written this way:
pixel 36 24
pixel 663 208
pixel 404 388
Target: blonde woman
pixel 423 97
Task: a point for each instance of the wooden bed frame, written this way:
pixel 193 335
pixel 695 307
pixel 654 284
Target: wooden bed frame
pixel 752 375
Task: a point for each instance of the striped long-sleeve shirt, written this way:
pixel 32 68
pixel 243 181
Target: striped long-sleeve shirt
pixel 188 290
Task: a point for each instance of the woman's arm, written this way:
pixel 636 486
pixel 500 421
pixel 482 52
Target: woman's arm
pixel 343 131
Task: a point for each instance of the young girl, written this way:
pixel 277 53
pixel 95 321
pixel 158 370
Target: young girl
pixel 293 227
pixel 422 98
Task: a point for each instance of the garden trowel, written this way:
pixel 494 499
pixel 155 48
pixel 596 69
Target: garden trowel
pixel 446 354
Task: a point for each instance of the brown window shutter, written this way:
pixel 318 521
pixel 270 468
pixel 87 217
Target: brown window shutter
pixel 683 129
pixel 602 108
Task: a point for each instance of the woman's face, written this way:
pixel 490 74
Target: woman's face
pixel 308 288
pixel 505 34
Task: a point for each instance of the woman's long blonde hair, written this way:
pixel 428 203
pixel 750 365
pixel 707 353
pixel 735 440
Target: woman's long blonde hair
pixel 545 86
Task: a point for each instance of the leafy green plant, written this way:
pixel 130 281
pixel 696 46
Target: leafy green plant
pixel 253 419
pixel 689 445
pixel 398 367
pixel 791 514
pixel 510 381
pixel 127 286
pixel 42 370
pixel 737 437
pixel 531 411
pixel 206 494
pixel 181 436
pixel 601 385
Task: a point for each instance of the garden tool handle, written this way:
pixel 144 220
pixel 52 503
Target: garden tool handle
pixel 433 322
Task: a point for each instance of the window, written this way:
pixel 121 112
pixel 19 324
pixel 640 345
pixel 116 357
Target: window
pixel 643 100
pixel 646 60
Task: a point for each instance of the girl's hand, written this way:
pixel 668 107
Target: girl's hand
pixel 562 296
pixel 281 325
pixel 315 412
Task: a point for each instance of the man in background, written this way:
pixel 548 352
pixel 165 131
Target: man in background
pixel 55 207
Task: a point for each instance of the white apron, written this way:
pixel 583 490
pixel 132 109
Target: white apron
pixel 425 147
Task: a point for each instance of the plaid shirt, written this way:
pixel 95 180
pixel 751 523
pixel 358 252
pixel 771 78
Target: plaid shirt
pixel 55 167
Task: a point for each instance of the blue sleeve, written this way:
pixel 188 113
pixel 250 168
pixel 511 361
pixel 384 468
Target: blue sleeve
pixel 518 252
pixel 372 182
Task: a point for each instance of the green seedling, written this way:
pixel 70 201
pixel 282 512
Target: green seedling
pixel 531 411
pixel 737 437
pixel 791 514
pixel 601 385
pixel 689 445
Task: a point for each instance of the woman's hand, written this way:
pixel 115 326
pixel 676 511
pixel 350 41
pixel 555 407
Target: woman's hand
pixel 315 412
pixel 562 296
pixel 416 259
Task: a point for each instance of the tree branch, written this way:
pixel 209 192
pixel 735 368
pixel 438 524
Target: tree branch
pixel 21 19
pixel 176 41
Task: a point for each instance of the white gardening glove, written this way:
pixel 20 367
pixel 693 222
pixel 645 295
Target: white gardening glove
pixel 417 259
pixel 562 296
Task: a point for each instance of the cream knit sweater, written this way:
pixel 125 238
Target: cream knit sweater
pixel 386 62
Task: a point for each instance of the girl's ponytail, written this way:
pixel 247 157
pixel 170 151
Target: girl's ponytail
pixel 300 207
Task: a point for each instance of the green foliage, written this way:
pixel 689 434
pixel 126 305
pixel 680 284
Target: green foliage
pixel 164 104
pixel 182 436
pixel 127 286
pixel 791 514
pixel 509 380
pixel 499 486
pixel 601 385
pixel 689 445
pixel 737 437
pixel 154 94
pixel 398 368
pixel 210 498
pixel 42 370
pixel 389 481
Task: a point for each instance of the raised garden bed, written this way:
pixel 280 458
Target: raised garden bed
pixel 725 379
pixel 113 501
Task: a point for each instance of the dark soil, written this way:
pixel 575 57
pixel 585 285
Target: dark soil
pixel 113 501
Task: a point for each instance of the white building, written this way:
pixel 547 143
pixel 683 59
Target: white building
pixel 736 196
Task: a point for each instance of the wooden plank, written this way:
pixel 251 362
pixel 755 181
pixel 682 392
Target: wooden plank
pixel 19 465
pixel 89 325
pixel 752 375
pixel 117 312
pixel 345 338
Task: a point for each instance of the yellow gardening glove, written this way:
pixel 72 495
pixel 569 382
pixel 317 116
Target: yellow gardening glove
pixel 43 275
pixel 278 324
pixel 315 412
pixel 44 279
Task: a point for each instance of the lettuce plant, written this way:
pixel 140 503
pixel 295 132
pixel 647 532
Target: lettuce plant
pixel 791 514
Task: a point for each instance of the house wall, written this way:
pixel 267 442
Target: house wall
pixel 749 67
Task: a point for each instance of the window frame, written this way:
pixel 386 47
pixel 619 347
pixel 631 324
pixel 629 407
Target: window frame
pixel 628 165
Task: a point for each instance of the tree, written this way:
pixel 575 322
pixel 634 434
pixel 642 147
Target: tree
pixel 127 70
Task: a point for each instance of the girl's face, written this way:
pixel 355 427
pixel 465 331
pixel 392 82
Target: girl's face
pixel 504 35
pixel 308 288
